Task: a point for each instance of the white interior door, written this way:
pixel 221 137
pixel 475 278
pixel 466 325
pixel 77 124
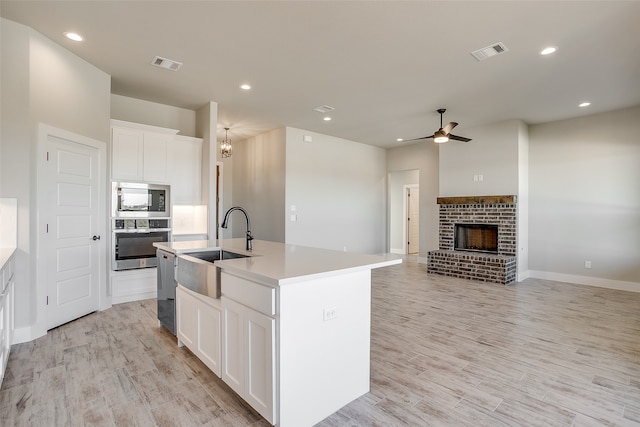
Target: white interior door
pixel 70 240
pixel 413 220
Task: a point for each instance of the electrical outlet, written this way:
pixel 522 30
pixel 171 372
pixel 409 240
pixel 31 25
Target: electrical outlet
pixel 329 313
pixel 587 264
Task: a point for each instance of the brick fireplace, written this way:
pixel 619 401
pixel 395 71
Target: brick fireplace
pixel 470 248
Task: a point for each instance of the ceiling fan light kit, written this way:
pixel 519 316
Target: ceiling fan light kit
pixel 443 134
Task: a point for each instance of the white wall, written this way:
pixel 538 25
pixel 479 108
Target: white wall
pixel 585 199
pixel 339 190
pixel 154 114
pixel 41 82
pixel 259 186
pixel 492 153
pixel 424 158
pixel 397 212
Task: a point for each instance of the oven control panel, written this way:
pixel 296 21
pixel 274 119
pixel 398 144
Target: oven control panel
pixel 141 224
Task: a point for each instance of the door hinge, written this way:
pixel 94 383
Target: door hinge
pixel 47 299
pixel 47 228
pixel 47 156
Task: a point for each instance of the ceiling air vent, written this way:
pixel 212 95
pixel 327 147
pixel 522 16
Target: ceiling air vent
pixel 165 63
pixel 323 109
pixel 489 51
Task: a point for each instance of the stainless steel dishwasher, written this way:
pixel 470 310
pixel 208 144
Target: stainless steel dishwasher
pixel 167 290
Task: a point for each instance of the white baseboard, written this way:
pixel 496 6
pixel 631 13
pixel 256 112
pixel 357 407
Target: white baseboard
pixel 583 280
pixel 26 334
pixel 397 251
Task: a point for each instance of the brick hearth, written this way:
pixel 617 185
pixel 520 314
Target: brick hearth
pixel 497 210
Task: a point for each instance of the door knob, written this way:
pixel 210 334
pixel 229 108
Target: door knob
pixel 95 238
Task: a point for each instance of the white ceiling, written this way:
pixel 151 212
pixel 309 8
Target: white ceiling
pixel 385 66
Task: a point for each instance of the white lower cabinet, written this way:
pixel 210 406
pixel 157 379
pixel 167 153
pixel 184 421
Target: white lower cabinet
pixel 199 326
pixel 133 285
pixel 248 343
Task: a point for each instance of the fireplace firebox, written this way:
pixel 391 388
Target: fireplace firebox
pixel 476 238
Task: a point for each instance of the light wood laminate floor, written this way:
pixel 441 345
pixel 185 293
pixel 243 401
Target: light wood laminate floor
pixel 444 352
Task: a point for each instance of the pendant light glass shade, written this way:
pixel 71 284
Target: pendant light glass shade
pixel 225 145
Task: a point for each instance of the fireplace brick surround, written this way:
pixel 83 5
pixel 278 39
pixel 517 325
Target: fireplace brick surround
pixel 496 210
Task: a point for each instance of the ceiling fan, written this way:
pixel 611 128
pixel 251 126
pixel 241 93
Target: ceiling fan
pixel 443 134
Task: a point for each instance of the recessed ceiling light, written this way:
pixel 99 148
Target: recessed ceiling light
pixel 548 50
pixel 327 119
pixel 584 104
pixel 399 139
pixel 74 36
pixel 245 86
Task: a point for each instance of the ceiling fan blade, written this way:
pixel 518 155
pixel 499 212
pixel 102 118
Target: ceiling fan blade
pixel 459 138
pixel 449 127
pixel 417 139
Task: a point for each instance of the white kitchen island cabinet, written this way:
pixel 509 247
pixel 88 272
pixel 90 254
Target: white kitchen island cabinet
pixel 199 326
pixel 296 326
pixel 249 335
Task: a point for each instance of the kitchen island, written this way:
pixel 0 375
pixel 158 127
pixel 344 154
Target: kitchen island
pixel 292 326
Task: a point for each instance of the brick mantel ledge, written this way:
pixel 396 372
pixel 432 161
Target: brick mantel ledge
pixel 476 200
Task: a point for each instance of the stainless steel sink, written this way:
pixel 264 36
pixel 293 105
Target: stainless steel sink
pixel 197 271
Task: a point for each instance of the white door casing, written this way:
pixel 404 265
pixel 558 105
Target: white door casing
pixel 71 234
pixel 413 219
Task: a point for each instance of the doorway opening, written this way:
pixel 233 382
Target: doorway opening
pixel 403 225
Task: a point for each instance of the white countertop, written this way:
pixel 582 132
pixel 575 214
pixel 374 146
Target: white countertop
pixel 281 264
pixel 5 255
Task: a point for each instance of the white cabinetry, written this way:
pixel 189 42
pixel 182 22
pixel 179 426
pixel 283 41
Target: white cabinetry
pixel 133 285
pixel 6 315
pixel 199 326
pixel 248 335
pixel 139 152
pixel 127 152
pixel 184 159
pixel 157 155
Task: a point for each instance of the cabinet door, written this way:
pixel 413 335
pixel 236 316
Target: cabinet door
pixel 208 344
pixel 233 345
pixel 259 331
pixel 186 308
pixel 127 153
pixel 155 157
pixel 184 166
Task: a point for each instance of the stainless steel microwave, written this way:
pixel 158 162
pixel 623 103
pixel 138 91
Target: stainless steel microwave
pixel 140 200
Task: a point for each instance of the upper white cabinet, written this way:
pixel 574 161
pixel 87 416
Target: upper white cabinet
pixel 184 155
pixel 154 157
pixel 157 155
pixel 127 152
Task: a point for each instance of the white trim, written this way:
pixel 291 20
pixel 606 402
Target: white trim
pixel 405 212
pixel 219 196
pixel 39 327
pixel 397 251
pixel 586 280
pixel 25 334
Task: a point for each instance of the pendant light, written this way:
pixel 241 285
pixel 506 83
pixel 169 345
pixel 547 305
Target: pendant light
pixel 225 145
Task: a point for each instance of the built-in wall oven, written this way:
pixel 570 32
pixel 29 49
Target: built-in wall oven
pixel 141 216
pixel 133 240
